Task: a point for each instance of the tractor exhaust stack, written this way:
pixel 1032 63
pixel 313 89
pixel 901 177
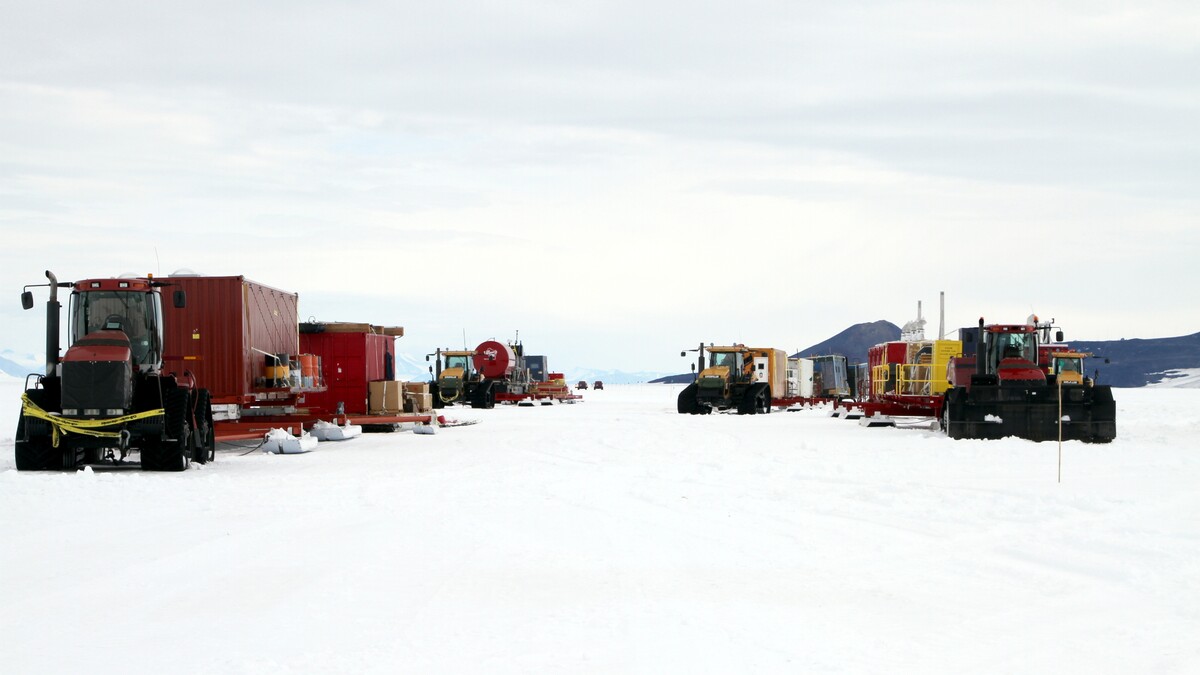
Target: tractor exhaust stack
pixel 52 318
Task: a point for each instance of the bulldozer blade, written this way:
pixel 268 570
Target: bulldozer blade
pixel 991 412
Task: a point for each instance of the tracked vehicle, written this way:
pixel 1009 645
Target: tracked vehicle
pixel 109 395
pixel 737 377
pixel 1002 390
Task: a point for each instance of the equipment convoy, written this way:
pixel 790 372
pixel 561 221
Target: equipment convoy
pixel 493 372
pixel 109 395
pixel 1012 381
pixel 1003 389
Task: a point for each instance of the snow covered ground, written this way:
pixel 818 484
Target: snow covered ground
pixel 617 536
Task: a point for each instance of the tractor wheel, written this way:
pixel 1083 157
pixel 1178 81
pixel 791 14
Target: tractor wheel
pixel 33 453
pixel 686 404
pixel 205 449
pixel 171 452
pixel 746 405
pixel 756 400
pixel 484 396
pixel 751 402
pixel 436 393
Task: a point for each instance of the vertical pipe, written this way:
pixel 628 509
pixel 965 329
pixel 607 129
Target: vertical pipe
pixel 980 352
pixel 52 316
pixel 942 316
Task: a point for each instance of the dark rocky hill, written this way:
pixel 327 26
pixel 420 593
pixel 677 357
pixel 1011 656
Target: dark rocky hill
pixel 1135 362
pixel 854 342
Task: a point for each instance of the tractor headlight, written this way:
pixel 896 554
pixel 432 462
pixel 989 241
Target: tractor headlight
pixel 114 412
pixel 95 412
pixel 72 412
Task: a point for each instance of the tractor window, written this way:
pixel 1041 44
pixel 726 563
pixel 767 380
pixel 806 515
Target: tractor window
pixel 1016 346
pixel 727 359
pixel 1068 365
pixel 129 312
pixel 463 362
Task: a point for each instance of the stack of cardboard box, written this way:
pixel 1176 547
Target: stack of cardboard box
pixel 394 397
pixel 417 398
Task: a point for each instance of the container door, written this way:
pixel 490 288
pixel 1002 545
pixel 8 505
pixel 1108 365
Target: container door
pixel 806 377
pixel 761 371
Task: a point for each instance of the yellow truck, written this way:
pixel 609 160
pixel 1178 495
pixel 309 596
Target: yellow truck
pixel 737 377
pixel 1067 366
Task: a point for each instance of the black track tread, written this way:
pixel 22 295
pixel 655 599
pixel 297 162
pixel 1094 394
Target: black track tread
pixel 204 441
pixel 686 403
pixel 34 454
pixel 170 455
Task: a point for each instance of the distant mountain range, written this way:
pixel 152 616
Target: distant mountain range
pixel 590 375
pixel 20 365
pixel 1132 362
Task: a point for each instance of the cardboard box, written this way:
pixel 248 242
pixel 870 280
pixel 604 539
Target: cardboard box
pixel 416 387
pixel 418 403
pixel 385 397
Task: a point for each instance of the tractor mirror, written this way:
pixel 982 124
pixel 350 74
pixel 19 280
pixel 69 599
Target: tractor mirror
pixel 693 367
pixel 179 297
pixel 27 299
pixel 427 357
pixel 683 353
pixel 1058 337
pixel 430 370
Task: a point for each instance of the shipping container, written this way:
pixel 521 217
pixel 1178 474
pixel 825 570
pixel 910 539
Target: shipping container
pixel 350 361
pixel 537 368
pixel 770 366
pixel 225 334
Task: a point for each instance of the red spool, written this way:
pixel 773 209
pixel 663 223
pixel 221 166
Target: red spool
pixel 495 360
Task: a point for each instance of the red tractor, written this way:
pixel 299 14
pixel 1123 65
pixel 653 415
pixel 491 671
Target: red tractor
pixel 1003 391
pixel 108 395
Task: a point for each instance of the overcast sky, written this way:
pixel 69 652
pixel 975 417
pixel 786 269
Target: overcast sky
pixel 616 180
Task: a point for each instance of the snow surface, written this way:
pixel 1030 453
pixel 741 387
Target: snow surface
pixel 618 536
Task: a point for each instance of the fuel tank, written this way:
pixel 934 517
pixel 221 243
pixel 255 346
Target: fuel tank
pixel 495 360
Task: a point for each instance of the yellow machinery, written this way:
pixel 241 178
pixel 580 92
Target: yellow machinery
pixel 1068 367
pixel 735 376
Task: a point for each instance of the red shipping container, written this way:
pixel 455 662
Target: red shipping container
pixel 349 362
pixel 225 332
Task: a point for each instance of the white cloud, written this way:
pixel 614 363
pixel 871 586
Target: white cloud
pixel 620 178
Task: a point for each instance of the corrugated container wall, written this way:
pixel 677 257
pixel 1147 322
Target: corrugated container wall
pixel 221 334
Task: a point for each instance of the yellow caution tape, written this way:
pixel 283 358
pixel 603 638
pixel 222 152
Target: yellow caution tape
pixel 65 425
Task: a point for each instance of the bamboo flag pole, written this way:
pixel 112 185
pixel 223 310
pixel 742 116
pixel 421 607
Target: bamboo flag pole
pixel 1059 383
